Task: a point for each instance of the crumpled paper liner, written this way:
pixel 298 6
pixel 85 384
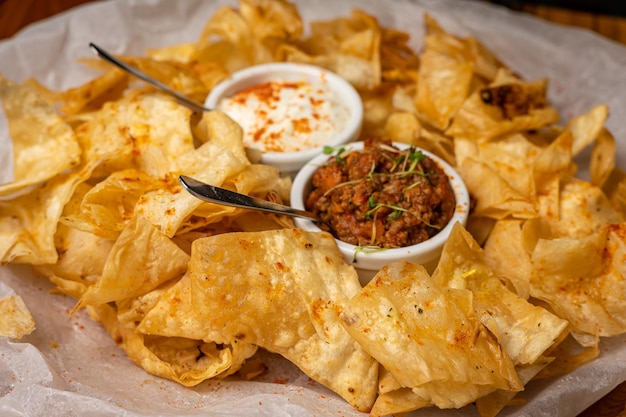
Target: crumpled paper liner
pixel 70 366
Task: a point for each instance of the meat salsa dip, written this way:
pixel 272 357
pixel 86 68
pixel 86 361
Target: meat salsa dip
pixel 383 196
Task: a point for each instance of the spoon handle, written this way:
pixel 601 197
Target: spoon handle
pixel 185 101
pixel 225 197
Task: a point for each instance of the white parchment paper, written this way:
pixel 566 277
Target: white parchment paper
pixel 70 366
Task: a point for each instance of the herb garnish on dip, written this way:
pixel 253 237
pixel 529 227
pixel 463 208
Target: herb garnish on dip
pixel 382 196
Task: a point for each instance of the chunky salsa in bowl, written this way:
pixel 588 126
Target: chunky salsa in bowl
pixel 382 201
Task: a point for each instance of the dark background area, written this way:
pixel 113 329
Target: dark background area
pixel 608 7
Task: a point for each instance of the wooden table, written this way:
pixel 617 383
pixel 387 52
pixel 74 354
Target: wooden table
pixel 15 14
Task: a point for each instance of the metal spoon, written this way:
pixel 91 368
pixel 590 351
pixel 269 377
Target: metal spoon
pixel 225 197
pixel 185 101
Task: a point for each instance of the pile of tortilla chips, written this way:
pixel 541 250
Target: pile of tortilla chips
pixel 191 290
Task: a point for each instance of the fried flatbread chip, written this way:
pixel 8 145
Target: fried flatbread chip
pixel 141 259
pixel 186 361
pixel 105 208
pixel 450 358
pixel 444 77
pixel 587 127
pixel 281 290
pixel 524 331
pixel 29 222
pixel 347 46
pixel 37 132
pixel 583 210
pixel 81 260
pixel 272 19
pixel 506 106
pixel 15 318
pixel 507 252
pixel 582 279
pixel 602 163
pixel 93 94
pixel 147 131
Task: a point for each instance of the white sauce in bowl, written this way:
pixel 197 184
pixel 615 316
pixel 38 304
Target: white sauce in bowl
pixel 287 116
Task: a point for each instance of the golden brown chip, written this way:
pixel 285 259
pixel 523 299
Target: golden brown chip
pixel 454 358
pixel 587 127
pixel 36 132
pixel 615 190
pixel 602 163
pixel 524 331
pixel 444 79
pixel 403 127
pixel 15 319
pixel 583 210
pixel 508 255
pixel 141 259
pixel 147 131
pixel 186 361
pixel 93 94
pixel 281 290
pixel 81 260
pixel 349 47
pixel 491 404
pixel 495 198
pixel 29 222
pixel 582 279
pixel 398 402
pixel 503 109
pixel 228 39
pixel 182 53
pixel 277 19
pixel 177 76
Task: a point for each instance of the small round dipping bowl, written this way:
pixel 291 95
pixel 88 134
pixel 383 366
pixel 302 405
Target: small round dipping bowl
pixel 290 162
pixel 369 262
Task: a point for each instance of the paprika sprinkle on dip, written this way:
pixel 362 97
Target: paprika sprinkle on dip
pixel 382 196
pixel 287 116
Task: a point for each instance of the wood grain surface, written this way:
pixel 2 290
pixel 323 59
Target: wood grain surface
pixel 16 14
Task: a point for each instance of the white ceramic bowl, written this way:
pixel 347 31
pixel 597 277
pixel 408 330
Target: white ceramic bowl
pixel 426 253
pixel 290 162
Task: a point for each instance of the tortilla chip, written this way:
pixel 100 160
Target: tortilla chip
pixel 524 331
pixel 141 259
pixel 93 94
pixel 144 131
pixel 15 318
pixel 28 223
pixel 37 132
pixel 281 290
pixel 582 279
pixel 81 260
pixel 602 163
pixel 451 358
pixel 501 109
pixel 586 127
pixel 188 362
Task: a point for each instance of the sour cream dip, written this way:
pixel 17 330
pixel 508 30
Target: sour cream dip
pixel 287 116
pixel 289 111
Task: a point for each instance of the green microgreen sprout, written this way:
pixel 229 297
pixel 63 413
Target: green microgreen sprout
pixel 395 214
pixel 365 249
pixel 329 150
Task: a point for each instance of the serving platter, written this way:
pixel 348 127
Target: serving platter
pixel 71 364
